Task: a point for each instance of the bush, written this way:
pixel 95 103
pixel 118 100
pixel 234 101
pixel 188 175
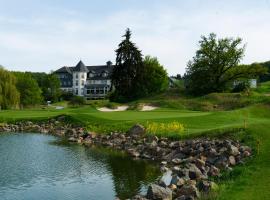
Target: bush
pixel 67 96
pixel 241 86
pixel 77 101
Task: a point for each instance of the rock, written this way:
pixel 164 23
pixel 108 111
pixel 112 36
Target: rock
pixel 204 186
pixel 213 171
pixel 177 181
pixel 137 130
pixel 173 187
pixel 164 169
pixel 233 150
pixel 232 160
pixel 162 183
pixel 245 148
pixel 72 139
pixel 156 192
pixel 246 154
pixel 200 163
pixel 185 197
pixel 179 156
pixel 221 162
pixel 138 197
pixel 194 173
pixel 176 161
pixel 163 162
pixel 188 190
pixel 133 153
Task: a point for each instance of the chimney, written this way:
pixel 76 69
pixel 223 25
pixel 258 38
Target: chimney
pixel 109 63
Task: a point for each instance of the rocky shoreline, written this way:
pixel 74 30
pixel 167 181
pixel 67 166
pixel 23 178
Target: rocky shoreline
pixel 192 163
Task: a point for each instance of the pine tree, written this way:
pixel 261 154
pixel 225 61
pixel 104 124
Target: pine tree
pixel 127 74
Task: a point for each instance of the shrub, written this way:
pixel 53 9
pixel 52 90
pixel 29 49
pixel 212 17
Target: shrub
pixel 164 128
pixel 77 101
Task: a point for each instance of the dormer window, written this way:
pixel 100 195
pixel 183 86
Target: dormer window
pixel 104 74
pixel 91 74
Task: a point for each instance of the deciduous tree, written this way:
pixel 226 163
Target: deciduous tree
pixel 216 65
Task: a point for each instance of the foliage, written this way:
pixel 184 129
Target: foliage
pixel 265 77
pixel 127 74
pixel 9 95
pixel 77 101
pixel 241 86
pixel 164 128
pixel 66 95
pixel 155 76
pixel 30 93
pixel 216 65
pixel 50 86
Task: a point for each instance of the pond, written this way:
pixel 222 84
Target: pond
pixel 35 166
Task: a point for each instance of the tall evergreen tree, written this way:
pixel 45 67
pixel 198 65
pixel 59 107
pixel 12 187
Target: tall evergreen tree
pixel 127 74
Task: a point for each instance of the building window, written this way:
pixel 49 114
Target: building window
pixel 77 83
pixel 76 92
pixel 83 76
pixel 82 82
pixel 77 75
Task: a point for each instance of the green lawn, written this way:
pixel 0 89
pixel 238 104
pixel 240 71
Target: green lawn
pixel 250 182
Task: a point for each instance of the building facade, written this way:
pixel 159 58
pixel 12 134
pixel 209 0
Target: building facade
pixel 91 82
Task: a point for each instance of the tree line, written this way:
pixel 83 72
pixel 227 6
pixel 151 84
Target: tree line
pixel 216 67
pixel 23 89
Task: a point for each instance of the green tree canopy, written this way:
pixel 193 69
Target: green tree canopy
pixel 9 96
pixel 216 65
pixel 30 93
pixel 155 76
pixel 49 84
pixel 127 73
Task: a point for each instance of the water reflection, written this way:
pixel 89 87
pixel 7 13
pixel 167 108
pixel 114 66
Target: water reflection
pixel 38 166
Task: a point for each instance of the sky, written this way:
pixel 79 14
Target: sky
pixel 44 35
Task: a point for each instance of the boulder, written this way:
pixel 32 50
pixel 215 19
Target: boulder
pixel 138 197
pixel 156 192
pixel 233 150
pixel 188 190
pixel 185 197
pixel 136 130
pixel 177 181
pixel 194 173
pixel 72 139
pixel 232 160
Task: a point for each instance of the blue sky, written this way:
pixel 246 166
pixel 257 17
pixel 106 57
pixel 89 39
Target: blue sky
pixel 43 35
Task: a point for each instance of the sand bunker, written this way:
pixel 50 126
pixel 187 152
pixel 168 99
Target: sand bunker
pixel 119 108
pixel 148 108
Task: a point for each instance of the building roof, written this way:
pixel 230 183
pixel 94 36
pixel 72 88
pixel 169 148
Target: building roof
pixel 97 70
pixel 80 67
pixel 64 70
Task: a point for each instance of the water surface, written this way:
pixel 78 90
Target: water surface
pixel 34 166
